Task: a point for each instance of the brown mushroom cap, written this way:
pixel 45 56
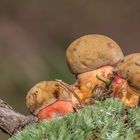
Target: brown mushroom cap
pixel 44 94
pixel 129 69
pixel 90 52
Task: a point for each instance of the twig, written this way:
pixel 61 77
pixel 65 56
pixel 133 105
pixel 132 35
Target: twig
pixel 10 121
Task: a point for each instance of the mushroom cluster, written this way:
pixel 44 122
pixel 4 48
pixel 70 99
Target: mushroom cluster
pixel 101 71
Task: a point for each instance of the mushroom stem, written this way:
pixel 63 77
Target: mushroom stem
pixel 87 81
pixel 123 91
pixel 55 110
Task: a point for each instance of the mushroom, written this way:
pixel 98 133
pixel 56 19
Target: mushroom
pixel 92 58
pixel 126 84
pixel 50 99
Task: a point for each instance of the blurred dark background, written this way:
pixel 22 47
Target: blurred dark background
pixel 35 34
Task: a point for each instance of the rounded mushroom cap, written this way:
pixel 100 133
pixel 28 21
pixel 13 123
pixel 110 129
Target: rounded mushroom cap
pixel 93 51
pixel 129 69
pixel 44 94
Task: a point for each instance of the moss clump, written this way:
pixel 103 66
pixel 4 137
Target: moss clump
pixel 105 120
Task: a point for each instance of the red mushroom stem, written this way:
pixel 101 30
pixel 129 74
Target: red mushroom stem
pixel 86 82
pixel 55 110
pixel 122 90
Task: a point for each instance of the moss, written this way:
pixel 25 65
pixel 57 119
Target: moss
pixel 105 120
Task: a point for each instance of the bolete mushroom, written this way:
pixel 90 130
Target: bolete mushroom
pixel 92 58
pixel 50 99
pixel 126 85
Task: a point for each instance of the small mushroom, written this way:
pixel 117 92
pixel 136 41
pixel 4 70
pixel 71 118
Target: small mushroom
pixel 126 85
pixel 92 58
pixel 50 99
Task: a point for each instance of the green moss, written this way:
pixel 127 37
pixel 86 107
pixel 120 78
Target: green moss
pixel 106 120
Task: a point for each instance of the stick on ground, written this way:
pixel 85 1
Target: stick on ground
pixel 11 121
